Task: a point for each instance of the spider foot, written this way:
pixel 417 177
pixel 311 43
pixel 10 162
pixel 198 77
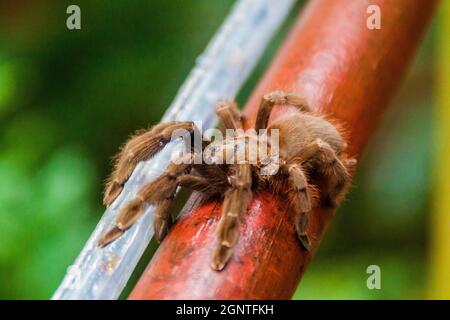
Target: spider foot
pixel 305 241
pixel 220 257
pixel 110 236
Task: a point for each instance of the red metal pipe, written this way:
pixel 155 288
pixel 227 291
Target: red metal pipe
pixel 344 69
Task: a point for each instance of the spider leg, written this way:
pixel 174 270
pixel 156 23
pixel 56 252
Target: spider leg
pixel 209 186
pixel 140 147
pixel 321 155
pixel 277 98
pixel 216 175
pixel 230 116
pixel 213 172
pixel 299 181
pixel 160 192
pixel 234 206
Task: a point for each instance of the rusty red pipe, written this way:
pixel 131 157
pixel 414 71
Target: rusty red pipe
pixel 343 69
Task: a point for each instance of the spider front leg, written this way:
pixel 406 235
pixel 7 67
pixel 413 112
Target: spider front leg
pixel 277 98
pixel 160 192
pixel 140 147
pixel 234 206
pixel 302 217
pixel 319 155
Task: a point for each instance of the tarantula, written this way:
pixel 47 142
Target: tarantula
pixel 309 147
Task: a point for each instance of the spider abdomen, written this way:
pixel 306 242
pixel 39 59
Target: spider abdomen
pixel 296 131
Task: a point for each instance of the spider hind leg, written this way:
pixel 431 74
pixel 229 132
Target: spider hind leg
pixel 303 206
pixel 333 170
pixel 277 98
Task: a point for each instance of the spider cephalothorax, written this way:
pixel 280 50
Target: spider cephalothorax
pixel 307 145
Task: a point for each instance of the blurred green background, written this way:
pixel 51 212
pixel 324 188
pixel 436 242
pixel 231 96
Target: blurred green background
pixel 68 99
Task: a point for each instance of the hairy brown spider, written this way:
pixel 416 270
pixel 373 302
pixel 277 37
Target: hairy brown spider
pixel 309 145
